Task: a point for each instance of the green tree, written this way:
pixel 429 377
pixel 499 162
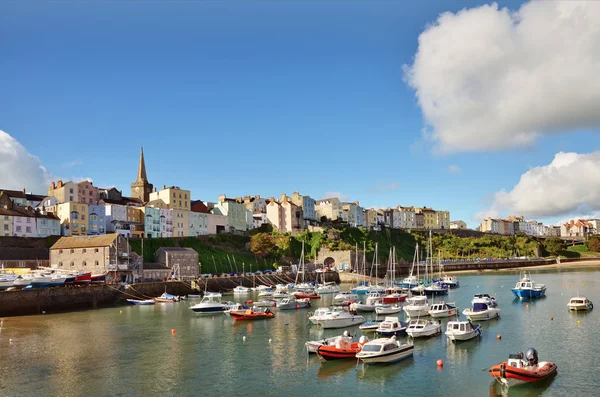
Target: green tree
pixel 261 244
pixel 554 245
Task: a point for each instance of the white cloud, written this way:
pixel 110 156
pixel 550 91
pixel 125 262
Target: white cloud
pixel 339 195
pixel 454 169
pixel 490 79
pixel 72 163
pixel 569 185
pixel 19 169
pixel 384 187
pixel 78 179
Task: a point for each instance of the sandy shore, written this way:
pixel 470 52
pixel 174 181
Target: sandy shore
pixel 572 265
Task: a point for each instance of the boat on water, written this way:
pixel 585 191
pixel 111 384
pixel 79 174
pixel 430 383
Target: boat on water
pixel 450 281
pixel 481 312
pixel 523 368
pixel 210 304
pixel 436 288
pixel 235 307
pixel 423 328
pixel 194 296
pixel 97 278
pixel 240 289
pixel 410 281
pixel 313 345
pixel 262 288
pixel 252 314
pixel 167 298
pixel 327 288
pixel 391 326
pixel 342 349
pixel 7 281
pixel 370 325
pixel 83 278
pixel 526 288
pixel 462 330
pixel 307 295
pixel 292 304
pixel 344 296
pixel 141 302
pixel 484 298
pixel 385 350
pixel 338 319
pixel 280 294
pixel 443 309
pixel 416 306
pixel 369 306
pixel 265 294
pixel 265 303
pixel 382 309
pixel 580 303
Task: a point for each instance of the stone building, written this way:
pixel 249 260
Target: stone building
pixel 141 188
pixel 184 258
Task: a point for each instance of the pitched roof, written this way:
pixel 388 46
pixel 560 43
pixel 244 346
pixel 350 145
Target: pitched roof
pixel 17 253
pixel 125 201
pixel 199 206
pixel 103 240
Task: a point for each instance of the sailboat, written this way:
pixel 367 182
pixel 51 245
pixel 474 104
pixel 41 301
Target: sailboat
pixel 412 281
pixel 363 288
pixel 302 286
pixel 437 287
pixel 422 283
pixel 376 287
pixel 392 292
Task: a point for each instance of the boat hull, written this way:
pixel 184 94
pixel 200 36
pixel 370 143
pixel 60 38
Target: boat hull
pixel 482 315
pixel 391 357
pixel 505 371
pixel 424 333
pixel 243 316
pixel 415 312
pixel 396 332
pixel 580 307
pixel 341 322
pixel 443 313
pixel 387 310
pixel 330 353
pixel 294 306
pixel 141 302
pixel 209 310
pixel 529 293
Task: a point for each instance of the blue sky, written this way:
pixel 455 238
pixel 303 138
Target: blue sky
pixel 244 98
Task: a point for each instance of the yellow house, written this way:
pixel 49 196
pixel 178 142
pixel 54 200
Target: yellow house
pixel 429 217
pixel 181 223
pixel 135 219
pixel 443 219
pixel 73 218
pixel 174 197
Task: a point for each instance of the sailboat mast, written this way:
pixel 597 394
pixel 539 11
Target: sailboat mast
pixel 365 261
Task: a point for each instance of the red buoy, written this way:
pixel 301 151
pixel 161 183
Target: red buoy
pixel 440 363
pixel 173 332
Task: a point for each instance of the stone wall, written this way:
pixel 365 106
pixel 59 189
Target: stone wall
pixel 347 257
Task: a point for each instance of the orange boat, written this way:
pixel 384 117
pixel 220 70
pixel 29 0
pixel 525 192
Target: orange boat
pixel 342 349
pixel 524 368
pixel 302 295
pixel 250 314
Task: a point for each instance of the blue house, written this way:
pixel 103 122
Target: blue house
pixel 151 222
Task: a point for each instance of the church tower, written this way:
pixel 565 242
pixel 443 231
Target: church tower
pixel 141 188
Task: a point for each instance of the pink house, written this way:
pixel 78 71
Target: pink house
pixel 87 192
pixel 24 224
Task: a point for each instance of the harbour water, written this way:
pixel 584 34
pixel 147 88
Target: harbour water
pixel 131 351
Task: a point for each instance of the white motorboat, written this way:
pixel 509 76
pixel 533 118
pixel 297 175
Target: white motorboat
pixel 7 280
pixel 391 326
pixel 484 298
pixel 328 288
pixel 291 304
pixel 419 289
pixel 361 307
pixel 240 289
pixel 443 309
pixel 265 294
pixel 416 306
pixel 345 296
pixel 317 314
pixel 421 328
pixel 384 308
pixel 262 288
pixel 481 311
pixel 210 304
pixel 23 281
pixel 579 303
pixel 281 295
pixel 436 288
pixel 450 281
pixel 410 282
pixel 235 307
pixel 265 303
pixel 385 350
pixel 303 287
pixel 462 330
pixel 339 319
pixel 312 346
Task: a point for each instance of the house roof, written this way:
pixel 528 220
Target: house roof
pixel 124 201
pixel 15 193
pixel 103 240
pixel 155 266
pixel 199 206
pixel 17 253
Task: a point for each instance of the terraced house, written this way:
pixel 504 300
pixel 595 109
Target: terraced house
pixel 97 219
pixel 235 211
pixel 151 222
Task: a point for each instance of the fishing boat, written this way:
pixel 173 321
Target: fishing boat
pixel 240 289
pixel 484 298
pixel 141 302
pixel 523 368
pixel 526 288
pixel 167 298
pixel 579 303
pixel 342 349
pixel 312 346
pixel 450 281
pixel 422 328
pixel 462 330
pixel 252 314
pixel 385 350
pixel 416 306
pixel 210 304
pixel 481 312
pixel 382 309
pixel 370 325
pixel 292 304
pixel 344 296
pixel 339 319
pixel 443 309
pixel 391 326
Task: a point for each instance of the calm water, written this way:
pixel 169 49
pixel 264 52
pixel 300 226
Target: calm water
pixel 130 351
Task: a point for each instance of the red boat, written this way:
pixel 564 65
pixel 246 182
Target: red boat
pixel 521 369
pixel 304 295
pixel 83 278
pixel 251 314
pixel 97 278
pixel 342 349
pixel 394 298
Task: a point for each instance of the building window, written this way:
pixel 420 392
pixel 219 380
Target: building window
pixel 28 220
pixel 28 229
pixel 70 190
pixel 72 264
pixel 5 217
pixel 84 250
pixel 83 217
pixel 5 227
pixel 96 263
pixel 18 228
pixel 174 195
pixel 95 249
pixel 60 251
pixel 70 198
pixel 84 263
pixel 60 264
pixel 72 251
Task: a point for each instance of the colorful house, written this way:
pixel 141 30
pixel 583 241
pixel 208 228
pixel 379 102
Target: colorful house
pixel 73 218
pixel 151 222
pixel 234 210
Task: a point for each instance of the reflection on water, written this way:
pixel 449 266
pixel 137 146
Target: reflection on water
pixel 459 352
pixel 335 369
pixel 535 389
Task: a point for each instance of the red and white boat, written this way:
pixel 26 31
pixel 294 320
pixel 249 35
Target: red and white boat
pixel 98 278
pixel 523 368
pixel 342 349
pixel 83 278
pixel 307 295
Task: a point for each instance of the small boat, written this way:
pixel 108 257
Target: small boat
pixel 410 282
pixel 22 281
pixel 387 309
pixel 342 349
pixel 578 303
pixel 289 304
pixel 450 281
pixel 391 326
pixel 240 289
pixel 307 295
pixel 419 289
pixel 265 294
pixel 462 330
pixel 481 312
pixel 523 368
pixel 328 288
pixel 443 309
pixel 526 288
pixel 484 298
pixel 370 325
pixel 252 314
pixel 83 278
pixel 421 328
pixel 167 298
pixel 210 304
pixel 436 288
pixel 235 307
pixel 265 303
pixel 362 307
pixel 344 296
pixel 416 306
pixel 141 302
pixel 281 294
pixel 98 278
pixel 312 346
pixel 194 296
pixel 262 288
pixel 338 319
pixel 385 350
pixel 7 281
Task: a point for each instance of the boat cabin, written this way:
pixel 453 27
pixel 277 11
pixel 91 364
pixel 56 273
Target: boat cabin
pixel 375 347
pixel 442 306
pixel 417 324
pixel 524 284
pixel 210 297
pixel 579 301
pixel 390 323
pixel 418 300
pixel 480 307
pixel 459 326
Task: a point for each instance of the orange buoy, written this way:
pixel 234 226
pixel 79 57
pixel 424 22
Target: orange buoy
pixel 440 363
pixel 578 321
pixel 173 332
pixel 551 318
pixel 499 337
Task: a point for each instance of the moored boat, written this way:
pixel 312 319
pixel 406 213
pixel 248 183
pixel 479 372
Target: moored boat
pixel 443 309
pixel 313 345
pixel 523 368
pixel 210 304
pixel 385 350
pixel 167 298
pixel 450 281
pixel 416 306
pixel 344 296
pixel 462 330
pixel 370 326
pixel 481 312
pixel 307 295
pixel 98 278
pixel 83 278
pixel 526 288
pixel 484 298
pixel 422 328
pixel 382 309
pixel 391 326
pixel 141 302
pixel 342 349
pixel 328 288
pixel 339 319
pixel 579 303
pixel 252 314
pixel 291 304
pixel 240 289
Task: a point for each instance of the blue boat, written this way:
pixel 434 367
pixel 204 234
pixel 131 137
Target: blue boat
pixel 141 302
pixel 527 289
pixel 391 326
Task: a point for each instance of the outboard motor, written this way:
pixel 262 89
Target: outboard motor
pixel 532 356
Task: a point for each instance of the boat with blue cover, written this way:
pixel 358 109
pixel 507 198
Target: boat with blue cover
pixel 141 302
pixel 526 288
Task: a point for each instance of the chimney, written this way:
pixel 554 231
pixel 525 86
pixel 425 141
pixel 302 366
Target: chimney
pixel 222 198
pixel 164 187
pixel 154 190
pixel 53 186
pixel 257 196
pixel 60 184
pixel 24 191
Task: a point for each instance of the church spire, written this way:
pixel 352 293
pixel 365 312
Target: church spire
pixel 141 177
pixel 141 188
